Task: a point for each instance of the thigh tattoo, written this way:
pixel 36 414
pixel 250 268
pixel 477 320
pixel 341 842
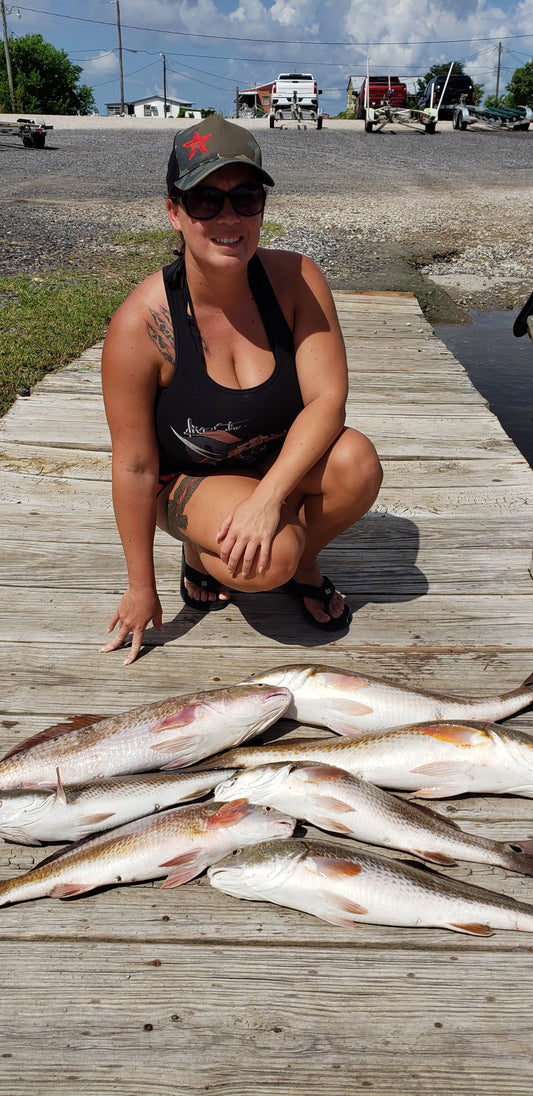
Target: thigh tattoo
pixel 176 517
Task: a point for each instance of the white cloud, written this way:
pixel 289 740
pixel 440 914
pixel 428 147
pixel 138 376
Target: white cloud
pixel 97 68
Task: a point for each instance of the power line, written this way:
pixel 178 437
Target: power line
pixel 277 41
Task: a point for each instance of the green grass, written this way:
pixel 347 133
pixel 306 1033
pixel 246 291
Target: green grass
pixel 48 320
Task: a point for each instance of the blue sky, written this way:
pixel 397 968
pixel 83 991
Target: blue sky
pixel 213 46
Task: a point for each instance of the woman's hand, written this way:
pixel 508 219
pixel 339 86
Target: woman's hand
pixel 135 610
pixel 246 534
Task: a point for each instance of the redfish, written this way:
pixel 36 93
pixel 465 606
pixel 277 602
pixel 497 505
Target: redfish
pixel 29 816
pixel 353 704
pixel 345 887
pixel 334 800
pixel 170 734
pixel 178 844
pixel 432 759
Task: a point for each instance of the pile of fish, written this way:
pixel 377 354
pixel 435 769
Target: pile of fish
pixel 235 813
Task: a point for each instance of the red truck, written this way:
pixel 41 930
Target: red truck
pixel 383 91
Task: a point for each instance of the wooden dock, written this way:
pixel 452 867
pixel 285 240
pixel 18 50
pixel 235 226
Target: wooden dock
pixel 135 991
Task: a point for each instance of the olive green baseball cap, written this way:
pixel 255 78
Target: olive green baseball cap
pixel 211 144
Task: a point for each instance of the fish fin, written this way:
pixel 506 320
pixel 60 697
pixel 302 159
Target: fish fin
pixel 19 837
pixel 435 857
pixel 92 819
pixel 229 813
pixel 332 804
pixel 335 867
pixel 57 731
pixel 334 909
pixel 528 683
pixel 442 791
pixel 458 733
pixel 60 791
pixel 473 928
pixel 182 718
pixel 341 718
pixel 331 824
pixel 70 890
pixel 340 680
pixel 453 771
pixel 185 749
pixel 187 866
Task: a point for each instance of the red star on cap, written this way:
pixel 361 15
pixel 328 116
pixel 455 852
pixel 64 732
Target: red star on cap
pixel 198 144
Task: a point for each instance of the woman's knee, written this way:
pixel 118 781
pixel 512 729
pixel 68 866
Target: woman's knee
pixel 287 548
pixel 354 465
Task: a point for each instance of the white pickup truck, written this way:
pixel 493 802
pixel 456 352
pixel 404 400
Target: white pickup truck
pixel 295 97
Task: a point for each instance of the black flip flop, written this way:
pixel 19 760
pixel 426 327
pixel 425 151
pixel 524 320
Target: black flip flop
pixel 324 594
pixel 206 582
pixel 520 324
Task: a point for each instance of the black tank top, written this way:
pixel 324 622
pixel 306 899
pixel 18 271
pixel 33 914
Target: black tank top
pixel 200 422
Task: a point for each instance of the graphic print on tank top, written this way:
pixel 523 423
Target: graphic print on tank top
pixel 224 442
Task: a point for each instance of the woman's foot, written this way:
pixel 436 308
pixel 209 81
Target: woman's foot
pixel 328 610
pixel 200 590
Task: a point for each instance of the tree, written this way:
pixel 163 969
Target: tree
pixel 520 86
pixel 44 80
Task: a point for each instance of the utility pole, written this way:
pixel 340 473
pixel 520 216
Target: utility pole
pixel 498 69
pixel 164 84
pixel 120 56
pixel 6 51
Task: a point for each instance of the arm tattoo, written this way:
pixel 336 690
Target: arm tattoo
pixel 176 517
pixel 161 333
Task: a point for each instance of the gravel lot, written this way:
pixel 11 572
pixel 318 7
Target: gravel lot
pixel 446 216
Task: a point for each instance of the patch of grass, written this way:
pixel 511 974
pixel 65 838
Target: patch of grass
pixel 269 231
pixel 47 321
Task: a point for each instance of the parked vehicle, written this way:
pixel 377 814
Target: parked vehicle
pixel 382 91
pixel 295 97
pixel 458 90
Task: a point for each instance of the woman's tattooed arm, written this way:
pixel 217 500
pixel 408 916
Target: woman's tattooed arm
pixel 161 334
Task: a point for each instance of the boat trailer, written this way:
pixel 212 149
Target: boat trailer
pixel 32 132
pixel 492 117
pixel 285 118
pixel 385 114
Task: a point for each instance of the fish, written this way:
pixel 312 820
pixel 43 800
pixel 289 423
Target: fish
pixel 334 800
pixel 433 760
pixel 172 733
pixel 353 704
pixel 346 887
pixel 31 816
pixel 177 844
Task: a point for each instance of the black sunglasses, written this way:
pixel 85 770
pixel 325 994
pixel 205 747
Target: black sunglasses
pixel 205 202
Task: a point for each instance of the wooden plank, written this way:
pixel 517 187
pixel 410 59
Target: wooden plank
pixel 449 533
pixel 438 576
pixel 45 675
pixel 360 570
pixel 273 1020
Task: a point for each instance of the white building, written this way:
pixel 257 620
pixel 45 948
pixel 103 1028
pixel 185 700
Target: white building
pixel 154 107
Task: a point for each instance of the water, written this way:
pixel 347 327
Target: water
pixel 501 368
